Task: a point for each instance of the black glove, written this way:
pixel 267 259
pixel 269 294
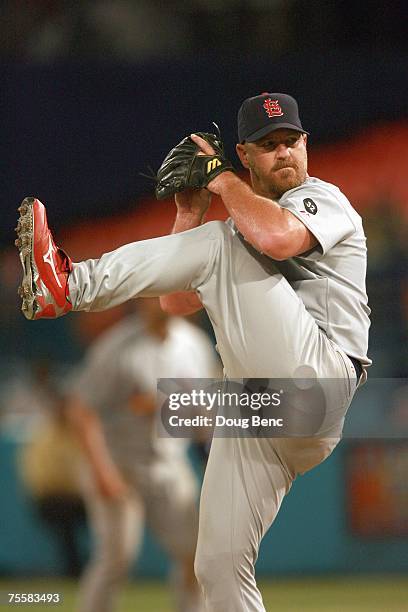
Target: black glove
pixel 183 168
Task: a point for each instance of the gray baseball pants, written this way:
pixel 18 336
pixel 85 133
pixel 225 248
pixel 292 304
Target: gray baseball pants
pixel 263 330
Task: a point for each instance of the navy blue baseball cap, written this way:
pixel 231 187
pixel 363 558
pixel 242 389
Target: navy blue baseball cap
pixel 265 113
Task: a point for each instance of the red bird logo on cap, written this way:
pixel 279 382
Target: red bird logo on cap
pixel 272 108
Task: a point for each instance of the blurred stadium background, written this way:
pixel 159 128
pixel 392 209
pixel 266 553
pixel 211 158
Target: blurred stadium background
pixel 95 91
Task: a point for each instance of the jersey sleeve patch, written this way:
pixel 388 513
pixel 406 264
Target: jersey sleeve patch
pixel 310 206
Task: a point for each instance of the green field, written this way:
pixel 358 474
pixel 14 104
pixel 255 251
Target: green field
pixel 351 594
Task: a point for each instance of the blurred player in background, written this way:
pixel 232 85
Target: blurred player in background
pixel 132 471
pixel 50 467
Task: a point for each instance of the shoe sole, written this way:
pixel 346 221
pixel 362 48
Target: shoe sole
pixel 25 232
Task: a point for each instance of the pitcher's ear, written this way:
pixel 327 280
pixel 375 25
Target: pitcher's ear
pixel 242 154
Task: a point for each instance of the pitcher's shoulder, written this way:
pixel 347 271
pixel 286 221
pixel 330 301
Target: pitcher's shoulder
pixel 314 186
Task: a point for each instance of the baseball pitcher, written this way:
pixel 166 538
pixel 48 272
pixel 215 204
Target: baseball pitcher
pixel 283 283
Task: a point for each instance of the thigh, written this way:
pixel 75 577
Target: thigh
pixel 262 327
pixel 300 453
pixel 117 525
pixel 148 268
pixel 171 502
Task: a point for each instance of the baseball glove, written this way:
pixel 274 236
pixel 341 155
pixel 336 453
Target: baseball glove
pixel 183 168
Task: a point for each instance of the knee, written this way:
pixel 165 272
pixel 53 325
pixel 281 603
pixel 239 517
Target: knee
pixel 320 449
pixel 207 571
pixel 113 564
pixel 303 454
pixel 200 569
pixel 219 573
pixel 326 447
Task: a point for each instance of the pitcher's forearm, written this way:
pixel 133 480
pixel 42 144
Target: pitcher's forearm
pixel 187 221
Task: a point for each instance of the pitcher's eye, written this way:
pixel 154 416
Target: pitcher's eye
pixel 269 144
pixel 292 141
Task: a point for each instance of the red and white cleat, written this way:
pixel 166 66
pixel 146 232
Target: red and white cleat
pixel 44 289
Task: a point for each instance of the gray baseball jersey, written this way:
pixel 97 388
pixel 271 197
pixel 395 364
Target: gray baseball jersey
pixel 330 279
